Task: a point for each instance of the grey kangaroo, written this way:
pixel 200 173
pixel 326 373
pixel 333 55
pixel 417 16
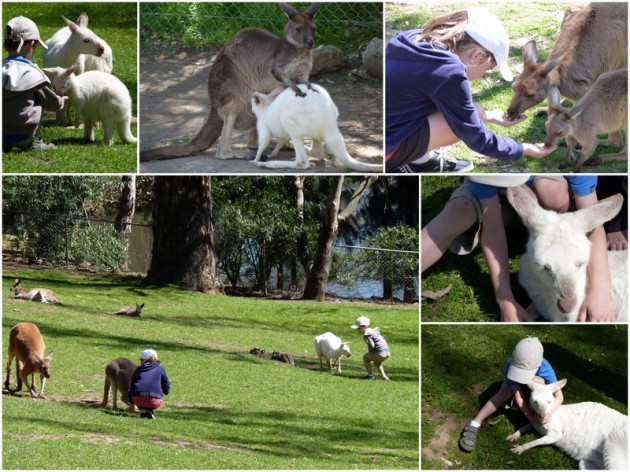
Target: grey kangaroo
pixel 131 311
pixel 254 60
pixel 118 375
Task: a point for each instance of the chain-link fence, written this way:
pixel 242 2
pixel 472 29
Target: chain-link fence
pixel 57 240
pixel 348 26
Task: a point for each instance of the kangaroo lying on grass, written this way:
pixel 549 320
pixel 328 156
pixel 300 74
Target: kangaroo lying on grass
pixel 130 311
pixel 118 375
pixel 42 295
pixel 588 432
pixel 286 116
pixel 254 59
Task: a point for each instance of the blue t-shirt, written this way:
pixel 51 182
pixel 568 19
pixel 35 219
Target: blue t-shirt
pixel 545 372
pixel 580 185
pixel 421 79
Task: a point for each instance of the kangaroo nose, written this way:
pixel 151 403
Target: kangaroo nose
pixel 308 44
pixel 566 304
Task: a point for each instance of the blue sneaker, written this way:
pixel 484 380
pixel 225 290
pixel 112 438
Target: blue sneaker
pixel 369 377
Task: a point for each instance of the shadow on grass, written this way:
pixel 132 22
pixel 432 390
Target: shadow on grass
pixel 275 433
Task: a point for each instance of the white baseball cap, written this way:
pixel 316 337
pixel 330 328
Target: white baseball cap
pixel 503 180
pixel 526 359
pixel 361 321
pixel 147 354
pixel 22 29
pixel 488 31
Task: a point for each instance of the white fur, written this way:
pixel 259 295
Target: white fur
pixel 97 96
pixel 554 268
pixel 76 44
pixel 588 432
pixel 289 116
pixel 71 44
pixel 331 348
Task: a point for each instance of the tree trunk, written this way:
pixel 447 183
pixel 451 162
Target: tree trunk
pixel 183 235
pixel 126 210
pixel 317 278
pixel 303 253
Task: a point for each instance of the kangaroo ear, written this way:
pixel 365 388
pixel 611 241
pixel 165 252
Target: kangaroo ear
pixel 83 20
pixel 49 356
pixel 71 24
pixel 525 202
pixel 257 98
pixel 589 218
pixel 71 69
pixel 312 10
pixel 530 53
pixel 558 385
pixel 553 96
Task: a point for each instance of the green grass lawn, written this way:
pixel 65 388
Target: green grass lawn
pixel 463 365
pixel 227 409
pixel 538 20
pixel 116 23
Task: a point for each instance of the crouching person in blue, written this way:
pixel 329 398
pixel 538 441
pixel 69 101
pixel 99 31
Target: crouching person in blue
pixel 149 384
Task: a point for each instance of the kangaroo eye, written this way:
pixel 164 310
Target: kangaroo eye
pixel 298 29
pixel 86 40
pixel 546 268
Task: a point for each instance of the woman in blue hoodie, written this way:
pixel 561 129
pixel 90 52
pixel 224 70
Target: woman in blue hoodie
pixel 149 384
pixel 428 100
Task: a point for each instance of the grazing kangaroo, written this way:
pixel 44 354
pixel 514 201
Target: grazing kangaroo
pixel 593 39
pixel 26 345
pixel 130 311
pixel 42 295
pixel 287 116
pixel 118 375
pixel 254 60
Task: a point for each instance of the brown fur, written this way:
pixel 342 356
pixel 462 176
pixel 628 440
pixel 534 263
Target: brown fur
pixel 254 60
pixel 26 345
pixel 604 109
pixel 593 39
pixel 42 295
pixel 130 311
pixel 118 376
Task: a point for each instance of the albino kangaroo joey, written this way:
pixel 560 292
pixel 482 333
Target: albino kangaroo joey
pixel 286 116
pixel 97 96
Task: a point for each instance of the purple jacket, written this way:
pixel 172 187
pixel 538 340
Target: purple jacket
pixel 421 79
pixel 149 380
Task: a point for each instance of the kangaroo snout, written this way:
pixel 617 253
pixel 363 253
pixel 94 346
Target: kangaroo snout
pixel 566 304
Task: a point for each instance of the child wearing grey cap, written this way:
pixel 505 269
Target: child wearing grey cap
pixel 527 364
pixel 378 350
pixel 26 91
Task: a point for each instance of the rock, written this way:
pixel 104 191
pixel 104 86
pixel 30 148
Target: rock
pixel 326 59
pixel 373 58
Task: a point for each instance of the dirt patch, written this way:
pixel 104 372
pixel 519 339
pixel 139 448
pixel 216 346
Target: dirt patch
pixel 174 104
pixel 187 444
pixel 440 445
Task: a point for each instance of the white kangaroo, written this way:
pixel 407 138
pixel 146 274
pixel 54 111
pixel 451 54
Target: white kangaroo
pixel 554 268
pixel 588 432
pixel 98 96
pixel 288 116
pixel 76 44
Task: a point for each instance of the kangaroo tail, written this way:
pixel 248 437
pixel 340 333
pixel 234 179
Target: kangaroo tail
pixel 124 131
pixel 337 147
pixel 206 137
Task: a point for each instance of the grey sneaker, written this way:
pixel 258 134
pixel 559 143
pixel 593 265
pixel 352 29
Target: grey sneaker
pixel 40 144
pixel 438 162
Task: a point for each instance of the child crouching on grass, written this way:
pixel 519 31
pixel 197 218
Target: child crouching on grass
pixel 378 350
pixel 149 384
